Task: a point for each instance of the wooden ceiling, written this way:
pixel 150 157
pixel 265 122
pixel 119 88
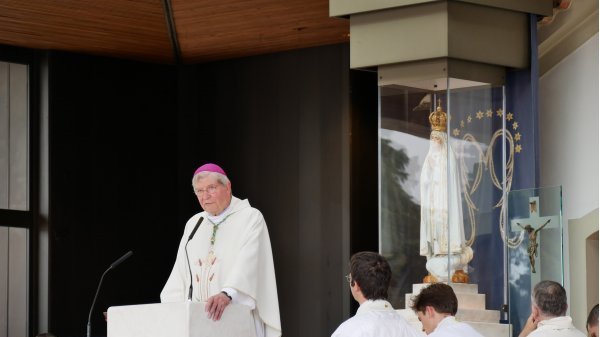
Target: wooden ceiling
pixel 205 30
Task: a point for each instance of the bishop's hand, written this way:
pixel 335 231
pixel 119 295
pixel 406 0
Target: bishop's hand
pixel 215 305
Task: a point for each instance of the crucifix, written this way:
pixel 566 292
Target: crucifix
pixel 533 245
pixel 533 225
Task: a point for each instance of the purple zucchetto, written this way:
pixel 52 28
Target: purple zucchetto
pixel 210 168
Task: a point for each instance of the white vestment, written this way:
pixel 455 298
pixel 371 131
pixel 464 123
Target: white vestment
pixel 556 327
pixel 450 327
pixel 378 319
pixel 241 259
pixel 442 228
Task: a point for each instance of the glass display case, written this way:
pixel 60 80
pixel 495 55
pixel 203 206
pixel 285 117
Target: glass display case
pixel 447 150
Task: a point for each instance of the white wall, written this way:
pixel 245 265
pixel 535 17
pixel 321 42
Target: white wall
pixel 569 141
pixel 569 129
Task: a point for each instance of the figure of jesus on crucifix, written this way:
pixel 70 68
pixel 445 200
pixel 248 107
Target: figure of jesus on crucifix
pixel 533 245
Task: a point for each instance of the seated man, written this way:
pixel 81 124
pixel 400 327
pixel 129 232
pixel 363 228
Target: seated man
pixel 548 313
pixel 592 322
pixel 436 306
pixel 369 279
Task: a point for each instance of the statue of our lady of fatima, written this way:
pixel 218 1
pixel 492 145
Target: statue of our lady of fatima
pixel 442 229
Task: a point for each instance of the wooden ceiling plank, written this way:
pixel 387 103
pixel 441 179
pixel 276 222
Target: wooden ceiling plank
pixel 137 29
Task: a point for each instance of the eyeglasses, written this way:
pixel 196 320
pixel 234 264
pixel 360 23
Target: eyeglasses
pixel 349 278
pixel 210 190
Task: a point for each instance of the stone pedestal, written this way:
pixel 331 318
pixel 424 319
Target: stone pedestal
pixel 471 310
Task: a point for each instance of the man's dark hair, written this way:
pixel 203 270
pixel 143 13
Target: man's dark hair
pixel 551 298
pixel 440 296
pixel 593 317
pixel 372 273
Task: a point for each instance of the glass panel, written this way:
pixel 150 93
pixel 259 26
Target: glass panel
pixel 14 195
pixel 14 281
pixel 18 281
pixel 477 142
pixel 535 252
pixel 3 281
pixel 404 142
pixel 4 134
pixel 14 136
pixel 19 136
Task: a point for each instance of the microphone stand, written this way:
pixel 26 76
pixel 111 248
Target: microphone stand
pixel 190 270
pixel 89 322
pixel 112 266
pixel 187 258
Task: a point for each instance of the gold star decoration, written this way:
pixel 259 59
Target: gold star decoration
pixel 518 136
pixel 489 113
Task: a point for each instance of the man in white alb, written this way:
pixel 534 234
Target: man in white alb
pixel 369 279
pixel 230 255
pixel 549 313
pixel 436 306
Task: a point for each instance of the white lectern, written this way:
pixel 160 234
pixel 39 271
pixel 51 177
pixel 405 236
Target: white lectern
pixel 184 319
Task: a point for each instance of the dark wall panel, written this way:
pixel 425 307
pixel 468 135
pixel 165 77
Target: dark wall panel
pixel 364 219
pixel 364 214
pixel 113 185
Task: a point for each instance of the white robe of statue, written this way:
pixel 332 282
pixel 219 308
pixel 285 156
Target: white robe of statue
pixel 442 227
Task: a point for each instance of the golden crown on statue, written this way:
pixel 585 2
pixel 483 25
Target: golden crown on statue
pixel 437 119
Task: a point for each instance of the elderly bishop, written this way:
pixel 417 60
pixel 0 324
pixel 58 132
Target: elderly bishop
pixel 230 255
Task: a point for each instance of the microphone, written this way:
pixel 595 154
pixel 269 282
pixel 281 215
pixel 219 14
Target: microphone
pixel 113 265
pixel 187 257
pixel 121 259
